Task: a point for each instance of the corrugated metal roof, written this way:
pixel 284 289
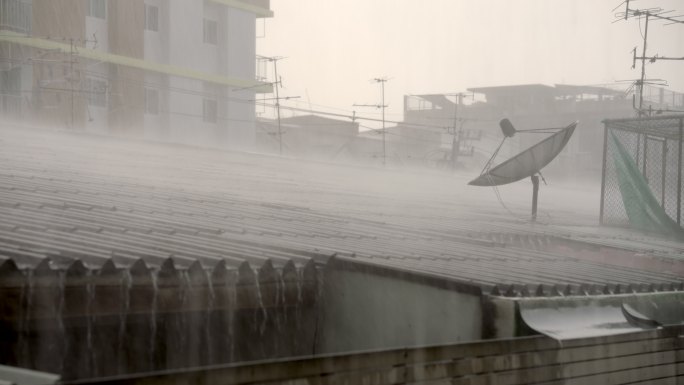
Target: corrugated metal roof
pixel 66 195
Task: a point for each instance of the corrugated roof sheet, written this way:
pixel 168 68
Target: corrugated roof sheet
pixel 67 195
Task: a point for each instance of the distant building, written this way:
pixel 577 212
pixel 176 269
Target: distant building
pixel 404 145
pixel 534 106
pixel 179 71
pixel 308 136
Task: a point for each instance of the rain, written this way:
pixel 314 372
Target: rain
pixel 358 192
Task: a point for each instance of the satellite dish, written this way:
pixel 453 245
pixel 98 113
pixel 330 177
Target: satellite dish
pixel 528 163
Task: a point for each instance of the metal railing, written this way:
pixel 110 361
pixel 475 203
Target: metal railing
pixel 661 98
pixel 15 15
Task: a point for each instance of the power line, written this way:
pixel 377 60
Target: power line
pixel 356 117
pixel 187 91
pixel 215 95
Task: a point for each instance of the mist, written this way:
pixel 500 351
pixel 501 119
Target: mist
pixel 387 191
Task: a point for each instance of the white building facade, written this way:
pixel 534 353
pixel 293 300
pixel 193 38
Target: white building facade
pixel 177 71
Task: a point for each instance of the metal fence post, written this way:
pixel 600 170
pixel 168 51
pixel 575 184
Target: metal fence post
pixel 643 171
pixel 603 168
pixel 663 173
pixel 679 172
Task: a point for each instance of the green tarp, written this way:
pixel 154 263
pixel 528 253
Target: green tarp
pixel 642 208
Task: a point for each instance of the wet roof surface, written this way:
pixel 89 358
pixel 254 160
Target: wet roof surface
pixel 65 195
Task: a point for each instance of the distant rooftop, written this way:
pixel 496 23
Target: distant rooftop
pixel 526 88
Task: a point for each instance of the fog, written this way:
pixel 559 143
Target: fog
pixel 333 49
pixel 201 192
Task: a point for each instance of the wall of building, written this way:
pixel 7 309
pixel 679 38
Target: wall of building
pixel 56 74
pixel 240 41
pixel 647 357
pixel 82 323
pixel 16 76
pixel 233 55
pixel 63 90
pixel 365 310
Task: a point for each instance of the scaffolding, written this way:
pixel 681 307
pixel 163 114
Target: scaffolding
pixel 654 144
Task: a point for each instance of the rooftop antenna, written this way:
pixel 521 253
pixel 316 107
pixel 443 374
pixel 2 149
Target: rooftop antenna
pixel 527 163
pixel 73 52
pixel 649 14
pixel 457 131
pixel 382 105
pixel 277 84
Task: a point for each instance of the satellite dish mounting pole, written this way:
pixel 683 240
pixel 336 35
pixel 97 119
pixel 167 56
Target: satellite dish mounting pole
pixel 535 195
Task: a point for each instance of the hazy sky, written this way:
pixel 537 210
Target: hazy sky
pixel 334 47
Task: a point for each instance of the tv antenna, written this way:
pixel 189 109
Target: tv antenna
pixel 73 52
pixel 649 14
pixel 277 84
pixel 382 105
pixel 528 163
pixel 457 130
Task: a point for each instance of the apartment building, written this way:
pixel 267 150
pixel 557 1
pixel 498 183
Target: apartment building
pixel 177 71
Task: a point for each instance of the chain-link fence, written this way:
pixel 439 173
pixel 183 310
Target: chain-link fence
pixel 655 147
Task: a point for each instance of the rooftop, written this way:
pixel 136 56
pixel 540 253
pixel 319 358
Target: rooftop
pixel 70 196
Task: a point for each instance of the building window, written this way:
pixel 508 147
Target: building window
pixel 16 16
pixel 151 101
pixel 210 31
pixel 151 18
pixel 210 110
pixel 97 8
pixel 95 92
pixel 10 82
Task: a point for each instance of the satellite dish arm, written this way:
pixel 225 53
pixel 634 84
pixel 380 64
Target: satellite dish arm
pixel 488 165
pixel 543 130
pixel 542 178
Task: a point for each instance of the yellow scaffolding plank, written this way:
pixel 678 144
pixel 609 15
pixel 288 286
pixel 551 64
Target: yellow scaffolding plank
pixel 11 37
pixel 259 11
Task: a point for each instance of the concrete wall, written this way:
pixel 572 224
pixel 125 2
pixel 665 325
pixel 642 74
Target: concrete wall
pixel 366 310
pixel 110 321
pixel 651 357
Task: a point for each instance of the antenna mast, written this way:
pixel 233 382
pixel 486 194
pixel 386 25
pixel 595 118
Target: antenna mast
pixel 649 13
pixel 382 106
pixel 277 83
